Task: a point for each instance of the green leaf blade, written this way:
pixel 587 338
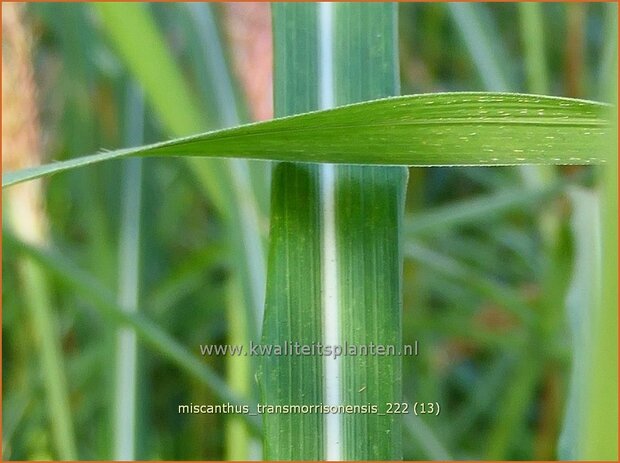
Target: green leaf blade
pixel 291 310
pixel 446 129
pixel 369 206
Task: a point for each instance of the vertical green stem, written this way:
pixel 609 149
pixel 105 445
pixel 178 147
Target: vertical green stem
pixel 129 283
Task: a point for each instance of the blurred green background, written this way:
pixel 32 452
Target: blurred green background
pixel 499 262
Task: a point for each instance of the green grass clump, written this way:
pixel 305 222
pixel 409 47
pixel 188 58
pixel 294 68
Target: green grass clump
pixel 475 216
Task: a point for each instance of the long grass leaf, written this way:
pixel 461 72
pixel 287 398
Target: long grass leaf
pixel 424 130
pixel 335 261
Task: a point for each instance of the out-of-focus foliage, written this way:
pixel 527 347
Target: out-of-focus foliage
pixel 484 292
